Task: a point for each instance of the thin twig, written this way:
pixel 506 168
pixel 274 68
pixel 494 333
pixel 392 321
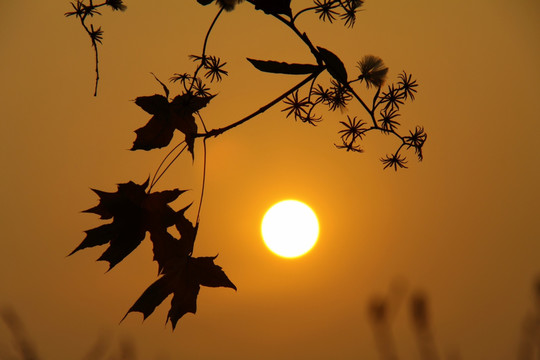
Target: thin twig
pixel 168 166
pixel 303 11
pixel 97 68
pixel 216 132
pixel 153 181
pixel 204 170
pixel 203 56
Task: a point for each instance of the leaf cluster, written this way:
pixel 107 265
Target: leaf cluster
pixel 136 211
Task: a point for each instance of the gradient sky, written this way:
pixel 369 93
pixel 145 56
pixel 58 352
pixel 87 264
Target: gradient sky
pixel 462 225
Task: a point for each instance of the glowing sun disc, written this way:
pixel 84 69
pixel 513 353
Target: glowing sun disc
pixel 290 228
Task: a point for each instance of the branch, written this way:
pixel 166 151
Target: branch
pixel 216 132
pixel 203 56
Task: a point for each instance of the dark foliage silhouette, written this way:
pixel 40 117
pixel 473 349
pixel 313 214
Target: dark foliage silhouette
pixel 169 116
pixel 136 210
pixel 184 284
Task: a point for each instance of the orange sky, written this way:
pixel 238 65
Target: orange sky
pixel 461 225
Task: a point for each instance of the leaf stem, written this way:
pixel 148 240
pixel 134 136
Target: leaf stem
pixel 370 111
pixel 154 179
pixel 204 171
pixel 94 45
pixel 97 68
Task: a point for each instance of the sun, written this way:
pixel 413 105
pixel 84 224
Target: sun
pixel 290 228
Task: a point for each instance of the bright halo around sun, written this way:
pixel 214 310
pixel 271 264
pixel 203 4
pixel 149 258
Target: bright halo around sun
pixel 290 228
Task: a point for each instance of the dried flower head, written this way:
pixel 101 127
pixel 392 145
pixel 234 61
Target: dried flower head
pixel 407 85
pixel 350 7
pixel 310 117
pixel 354 129
pixel 215 68
pixel 393 98
pixel 339 96
pixel 116 4
pixel 353 4
pixel 416 140
pixel 296 106
pixel 387 122
pixel 201 89
pixel 394 161
pixel 372 70
pixel 350 17
pixel 183 78
pixel 78 9
pixel 350 147
pixel 228 5
pixel 197 58
pixel 321 94
pixel 96 35
pixel 326 9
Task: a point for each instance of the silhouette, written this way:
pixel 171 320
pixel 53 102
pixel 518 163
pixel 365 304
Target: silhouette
pixel 136 210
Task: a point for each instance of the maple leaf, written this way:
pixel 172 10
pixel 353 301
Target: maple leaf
pixel 168 117
pixel 170 253
pixel 134 212
pixel 184 284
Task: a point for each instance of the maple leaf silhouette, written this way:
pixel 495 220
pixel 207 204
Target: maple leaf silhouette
pixel 169 252
pixel 167 117
pixel 134 212
pixel 184 284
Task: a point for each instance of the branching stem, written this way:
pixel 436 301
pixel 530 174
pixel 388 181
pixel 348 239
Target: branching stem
pixel 303 11
pixel 203 56
pixel 94 42
pixel 370 111
pixel 219 131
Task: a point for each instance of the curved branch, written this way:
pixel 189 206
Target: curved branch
pixel 203 56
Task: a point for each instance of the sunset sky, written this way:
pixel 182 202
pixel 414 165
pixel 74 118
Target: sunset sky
pixel 462 225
